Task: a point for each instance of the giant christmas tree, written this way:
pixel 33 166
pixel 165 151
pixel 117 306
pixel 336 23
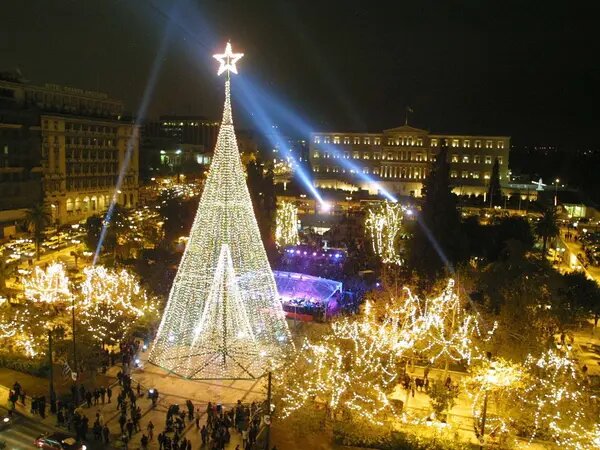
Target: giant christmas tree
pixel 223 319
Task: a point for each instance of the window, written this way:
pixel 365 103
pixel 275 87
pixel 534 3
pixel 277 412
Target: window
pixel 346 155
pixel 390 141
pixel 477 144
pixel 376 155
pixel 488 144
pixel 475 175
pixel 465 159
pixel 476 159
pixel 375 171
pixel 499 160
pixel 315 168
pixel 420 142
pixel 356 155
pixel 365 170
pixel 466 143
pixel 390 156
pixel 376 141
pixel 346 140
pixel 336 139
pixel 317 139
pixel 366 155
pixel 454 158
pixel 326 140
pixel 488 159
pixel 326 155
pixel 453 174
pixel 356 140
pixel 500 144
pixel 434 142
pixel 464 174
pixel 367 140
pixel 418 157
pixel 315 154
pixel 454 142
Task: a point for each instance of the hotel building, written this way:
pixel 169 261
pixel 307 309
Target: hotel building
pixel 399 159
pixel 84 147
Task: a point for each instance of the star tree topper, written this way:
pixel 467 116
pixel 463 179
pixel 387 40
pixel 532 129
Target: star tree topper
pixel 228 60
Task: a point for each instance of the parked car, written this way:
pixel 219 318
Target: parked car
pixel 58 441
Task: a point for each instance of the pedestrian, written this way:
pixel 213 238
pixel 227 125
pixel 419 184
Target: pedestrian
pixel 161 440
pixel 102 394
pixel 244 437
pixel 150 429
pixel 203 434
pixel 138 388
pixel 122 421
pixel 144 441
pixel 105 433
pixel 129 426
pixel 108 393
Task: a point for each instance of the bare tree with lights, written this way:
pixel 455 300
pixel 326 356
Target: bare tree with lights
pixel 286 228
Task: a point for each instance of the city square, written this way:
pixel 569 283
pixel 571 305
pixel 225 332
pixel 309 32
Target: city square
pixel 195 255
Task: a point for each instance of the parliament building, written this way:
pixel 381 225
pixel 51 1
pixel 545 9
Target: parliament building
pixel 399 159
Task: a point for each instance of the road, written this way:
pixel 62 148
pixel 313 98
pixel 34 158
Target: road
pixel 22 432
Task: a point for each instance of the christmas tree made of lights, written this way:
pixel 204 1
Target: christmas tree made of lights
pixel 223 319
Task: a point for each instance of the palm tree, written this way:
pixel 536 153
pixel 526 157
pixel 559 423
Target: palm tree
pixel 547 228
pixel 37 219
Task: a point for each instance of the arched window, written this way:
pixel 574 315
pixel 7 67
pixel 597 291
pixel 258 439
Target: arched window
pixel 86 203
pixel 69 204
pixel 77 204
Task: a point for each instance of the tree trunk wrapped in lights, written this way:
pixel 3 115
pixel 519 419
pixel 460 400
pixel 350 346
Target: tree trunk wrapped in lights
pixel 384 224
pixel 286 229
pixel 224 270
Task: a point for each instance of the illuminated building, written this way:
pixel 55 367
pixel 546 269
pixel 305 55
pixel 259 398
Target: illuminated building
pixel 83 146
pixel 399 159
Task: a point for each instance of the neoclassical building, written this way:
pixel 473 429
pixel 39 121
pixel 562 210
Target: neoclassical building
pixel 399 159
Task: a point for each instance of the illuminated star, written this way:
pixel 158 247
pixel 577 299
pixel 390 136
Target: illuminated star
pixel 227 60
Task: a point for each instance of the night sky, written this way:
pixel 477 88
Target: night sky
pixel 528 69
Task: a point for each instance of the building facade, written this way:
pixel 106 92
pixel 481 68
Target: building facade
pixel 399 159
pixel 84 148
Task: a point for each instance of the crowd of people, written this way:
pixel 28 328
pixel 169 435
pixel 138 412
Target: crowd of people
pixel 214 434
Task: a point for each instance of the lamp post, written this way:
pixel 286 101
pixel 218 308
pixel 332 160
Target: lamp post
pixel 74 374
pixel 556 192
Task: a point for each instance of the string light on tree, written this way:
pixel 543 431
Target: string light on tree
pixel 383 224
pixel 286 225
pixel 224 268
pixel 112 301
pixel 50 285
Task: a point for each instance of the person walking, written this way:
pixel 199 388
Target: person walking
pixel 150 429
pixel 129 426
pixel 105 433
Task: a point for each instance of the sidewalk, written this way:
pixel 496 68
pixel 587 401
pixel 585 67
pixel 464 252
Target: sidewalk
pixel 173 390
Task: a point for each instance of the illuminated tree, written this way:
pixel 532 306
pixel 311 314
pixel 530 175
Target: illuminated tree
pixel 560 401
pixel 286 229
pixel 224 270
pixel 111 303
pixel 349 372
pixel 383 224
pixel 49 285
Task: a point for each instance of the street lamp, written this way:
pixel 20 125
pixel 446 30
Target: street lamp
pixel 556 192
